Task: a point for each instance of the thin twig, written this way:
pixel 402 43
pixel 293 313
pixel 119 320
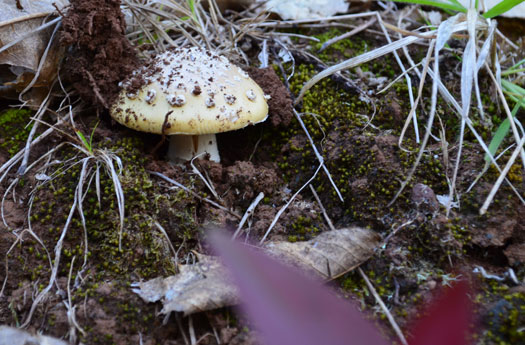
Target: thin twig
pixel 248 213
pixel 276 218
pixel 163 231
pixel 323 210
pixel 318 155
pixel 351 33
pixel 208 184
pixel 178 185
pixel 379 301
pixel 501 176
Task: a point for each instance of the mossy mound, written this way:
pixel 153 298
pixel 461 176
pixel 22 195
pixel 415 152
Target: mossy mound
pixel 145 252
pixel 14 129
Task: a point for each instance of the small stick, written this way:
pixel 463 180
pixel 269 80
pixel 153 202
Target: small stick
pixel 178 185
pixel 501 176
pixel 161 229
pixel 348 34
pixel 318 155
pixel 323 210
pixel 191 331
pixel 205 180
pixel 379 301
pixel 248 213
pixel 276 218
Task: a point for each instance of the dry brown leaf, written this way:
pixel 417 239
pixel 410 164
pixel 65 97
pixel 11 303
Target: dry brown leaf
pixel 198 287
pixel 15 336
pixel 206 285
pixel 19 62
pixel 329 255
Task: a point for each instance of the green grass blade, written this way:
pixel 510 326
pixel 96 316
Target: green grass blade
pixel 84 141
pixel 517 94
pixel 497 139
pixel 91 136
pixel 501 8
pixel 452 5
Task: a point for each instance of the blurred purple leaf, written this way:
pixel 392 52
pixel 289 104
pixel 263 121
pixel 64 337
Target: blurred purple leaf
pixel 289 308
pixel 447 320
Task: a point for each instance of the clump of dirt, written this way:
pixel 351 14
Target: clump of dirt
pixel 100 55
pixel 280 102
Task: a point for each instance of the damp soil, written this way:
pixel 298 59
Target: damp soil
pixel 98 56
pixel 426 249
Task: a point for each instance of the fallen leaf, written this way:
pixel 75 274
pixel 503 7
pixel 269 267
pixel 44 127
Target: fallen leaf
pixel 15 336
pixel 19 63
pixel 206 285
pixel 198 287
pixel 452 312
pixel 329 255
pixel 289 308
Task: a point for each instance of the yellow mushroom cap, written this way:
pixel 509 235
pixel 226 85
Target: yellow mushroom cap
pixel 189 91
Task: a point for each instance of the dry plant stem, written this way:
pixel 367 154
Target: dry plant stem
pixel 27 149
pixel 501 176
pixel 287 23
pixel 318 155
pixel 348 34
pixel 323 210
pixel 181 329
pixel 430 121
pixel 413 103
pixel 455 105
pixel 391 319
pixel 18 239
pixel 54 270
pixel 16 180
pixel 379 301
pixel 248 213
pixel 278 215
pixel 178 185
pixel 388 48
pixel 41 64
pixel 208 184
pixel 71 309
pixel 163 231
pixel 412 114
pixel 191 331
pixel 395 231
pixel 13 160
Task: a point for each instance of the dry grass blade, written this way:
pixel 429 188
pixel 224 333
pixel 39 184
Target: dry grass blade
pixel 501 176
pixel 374 54
pixel 178 185
pixel 283 208
pixel 248 213
pixel 318 155
pixel 444 32
pixel 206 285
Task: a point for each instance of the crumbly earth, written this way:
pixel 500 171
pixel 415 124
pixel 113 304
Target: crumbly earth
pixel 99 55
pixel 427 250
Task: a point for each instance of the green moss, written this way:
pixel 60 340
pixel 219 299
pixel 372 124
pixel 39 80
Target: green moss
pixel 13 129
pixel 145 252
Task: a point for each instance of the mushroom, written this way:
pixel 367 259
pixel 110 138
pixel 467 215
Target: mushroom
pixel 189 94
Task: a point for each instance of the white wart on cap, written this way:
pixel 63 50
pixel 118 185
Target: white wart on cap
pixel 190 92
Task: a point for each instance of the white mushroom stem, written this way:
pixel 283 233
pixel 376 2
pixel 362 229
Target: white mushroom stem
pixel 185 147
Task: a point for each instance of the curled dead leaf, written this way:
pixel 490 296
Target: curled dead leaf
pixel 329 255
pixel 206 285
pixel 198 287
pixel 19 62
